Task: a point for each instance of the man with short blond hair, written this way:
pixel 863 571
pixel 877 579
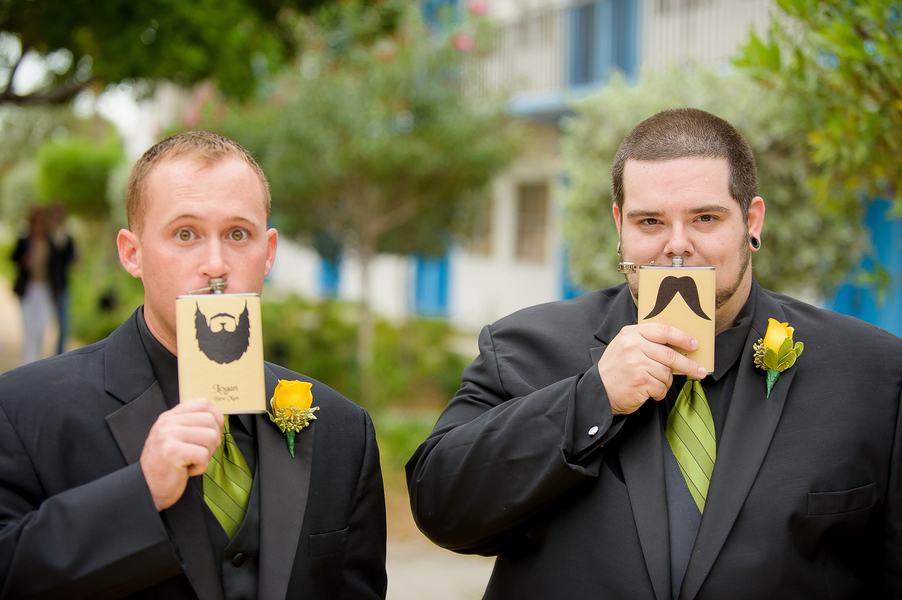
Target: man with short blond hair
pixel 101 493
pixel 564 451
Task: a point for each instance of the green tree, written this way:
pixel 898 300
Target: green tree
pixel 76 172
pixel 370 142
pixel 235 42
pixel 843 59
pixel 23 132
pixel 805 244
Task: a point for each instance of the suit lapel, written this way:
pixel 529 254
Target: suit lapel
pixel 747 435
pixel 284 486
pixel 127 370
pixel 642 460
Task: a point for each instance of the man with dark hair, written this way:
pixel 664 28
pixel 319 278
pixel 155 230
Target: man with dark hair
pixel 564 453
pixel 101 465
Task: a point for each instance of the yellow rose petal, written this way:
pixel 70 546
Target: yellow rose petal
pixel 776 333
pixel 292 393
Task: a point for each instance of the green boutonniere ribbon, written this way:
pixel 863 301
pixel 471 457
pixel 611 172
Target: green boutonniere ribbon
pixel 291 409
pixel 776 352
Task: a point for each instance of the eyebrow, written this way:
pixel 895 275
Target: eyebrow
pixel 645 214
pixel 234 219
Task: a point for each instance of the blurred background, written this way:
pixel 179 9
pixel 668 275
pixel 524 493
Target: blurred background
pixel 436 165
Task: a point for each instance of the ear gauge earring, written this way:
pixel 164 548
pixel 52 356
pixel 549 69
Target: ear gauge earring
pixel 755 242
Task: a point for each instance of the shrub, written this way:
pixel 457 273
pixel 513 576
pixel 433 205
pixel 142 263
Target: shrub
pixel 412 363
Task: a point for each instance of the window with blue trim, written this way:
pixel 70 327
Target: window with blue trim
pixel 604 35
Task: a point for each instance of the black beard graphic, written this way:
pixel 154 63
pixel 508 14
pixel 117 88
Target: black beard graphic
pixel 223 346
pixel 685 287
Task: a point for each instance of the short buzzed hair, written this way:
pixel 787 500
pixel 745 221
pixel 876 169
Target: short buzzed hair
pixel 684 133
pixel 204 146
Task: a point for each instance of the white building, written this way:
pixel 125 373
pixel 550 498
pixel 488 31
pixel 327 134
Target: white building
pixel 546 51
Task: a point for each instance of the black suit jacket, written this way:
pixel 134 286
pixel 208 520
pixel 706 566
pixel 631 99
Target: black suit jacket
pixel 77 519
pixel 805 499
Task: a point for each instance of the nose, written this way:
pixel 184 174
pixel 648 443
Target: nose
pixel 678 244
pixel 214 264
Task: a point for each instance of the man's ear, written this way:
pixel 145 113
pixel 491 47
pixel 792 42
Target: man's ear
pixel 272 240
pixel 129 252
pixel 756 216
pixel 616 210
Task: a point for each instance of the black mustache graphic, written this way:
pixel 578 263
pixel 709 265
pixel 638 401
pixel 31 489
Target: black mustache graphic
pixel 685 287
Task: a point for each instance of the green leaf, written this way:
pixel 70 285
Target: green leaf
pixel 786 361
pixel 770 359
pixel 785 347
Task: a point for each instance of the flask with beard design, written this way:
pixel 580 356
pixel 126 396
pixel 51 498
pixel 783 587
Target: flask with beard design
pixel 220 351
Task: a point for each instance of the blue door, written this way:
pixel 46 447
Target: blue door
pixel 431 286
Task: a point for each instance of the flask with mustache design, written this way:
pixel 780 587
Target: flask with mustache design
pixel 683 297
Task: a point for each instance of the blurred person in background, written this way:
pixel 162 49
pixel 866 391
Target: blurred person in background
pixel 32 285
pixel 62 255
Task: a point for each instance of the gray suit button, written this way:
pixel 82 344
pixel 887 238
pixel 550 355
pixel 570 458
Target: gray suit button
pixel 594 430
pixel 238 559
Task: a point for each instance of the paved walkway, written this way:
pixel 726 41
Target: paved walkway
pixel 417 569
pixel 421 571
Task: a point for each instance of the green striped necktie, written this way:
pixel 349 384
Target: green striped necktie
pixel 690 431
pixel 227 483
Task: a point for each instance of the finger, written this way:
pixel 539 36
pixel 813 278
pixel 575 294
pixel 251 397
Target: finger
pixel 198 405
pixel 203 420
pixel 193 405
pixel 661 333
pixel 196 436
pixel 192 415
pixel 195 459
pixel 673 361
pixel 169 438
pixel 657 388
pixel 660 380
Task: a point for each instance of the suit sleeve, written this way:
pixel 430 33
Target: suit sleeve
pixel 496 458
pixel 364 573
pixel 71 545
pixel 892 543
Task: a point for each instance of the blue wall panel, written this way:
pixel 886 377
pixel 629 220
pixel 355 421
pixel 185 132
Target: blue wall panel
pixel 431 286
pixel 863 302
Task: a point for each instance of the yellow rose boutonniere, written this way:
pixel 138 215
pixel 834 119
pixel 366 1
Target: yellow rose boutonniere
pixel 291 410
pixel 776 352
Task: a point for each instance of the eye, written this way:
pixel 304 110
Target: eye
pixel 185 235
pixel 238 235
pixel 707 218
pixel 649 221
